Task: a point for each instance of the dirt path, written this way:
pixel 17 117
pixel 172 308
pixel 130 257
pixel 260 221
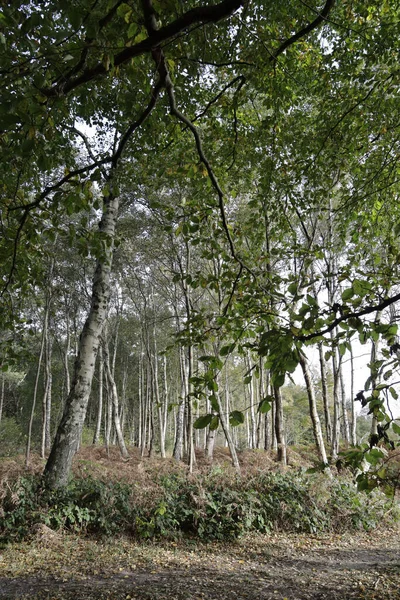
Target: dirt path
pixel 365 566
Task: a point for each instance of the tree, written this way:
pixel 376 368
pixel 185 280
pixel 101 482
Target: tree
pixel 284 109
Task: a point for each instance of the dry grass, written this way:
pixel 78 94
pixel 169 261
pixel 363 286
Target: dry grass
pixel 97 462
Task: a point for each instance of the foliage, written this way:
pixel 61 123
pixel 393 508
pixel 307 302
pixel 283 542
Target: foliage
pixel 85 505
pixel 210 507
pixel 12 438
pixel 286 187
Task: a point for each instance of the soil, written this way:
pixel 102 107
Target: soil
pixel 292 567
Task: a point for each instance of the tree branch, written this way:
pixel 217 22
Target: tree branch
pixel 201 14
pixel 365 311
pixel 310 27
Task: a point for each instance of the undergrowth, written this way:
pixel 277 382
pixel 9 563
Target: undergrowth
pixel 212 506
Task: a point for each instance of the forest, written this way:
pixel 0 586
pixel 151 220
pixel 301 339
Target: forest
pixel 199 283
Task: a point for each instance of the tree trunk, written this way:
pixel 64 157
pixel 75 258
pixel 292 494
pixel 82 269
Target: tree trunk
pixel 180 417
pixel 279 428
pixel 253 424
pixel 190 430
pixel 210 442
pixel 336 408
pixel 353 412
pixel 70 428
pixel 66 354
pixel 46 439
pixel 261 394
pixel 165 398
pixel 224 424
pixel 316 423
pixel 2 395
pixel 154 373
pixel 35 389
pixel 115 403
pixel 107 415
pixel 346 430
pixel 97 432
pixel 325 396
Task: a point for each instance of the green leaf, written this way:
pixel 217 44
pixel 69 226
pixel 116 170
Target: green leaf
pixel 214 423
pixel 214 402
pixel 203 421
pixel 347 294
pixel 374 456
pixel 132 30
pixel 396 428
pixel 228 349
pixel 265 404
pixel 236 418
pixel 278 379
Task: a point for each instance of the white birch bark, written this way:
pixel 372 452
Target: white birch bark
pixel 115 403
pixel 97 432
pixel 70 428
pixel 316 423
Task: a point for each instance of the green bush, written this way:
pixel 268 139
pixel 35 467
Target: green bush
pixel 210 507
pixel 12 437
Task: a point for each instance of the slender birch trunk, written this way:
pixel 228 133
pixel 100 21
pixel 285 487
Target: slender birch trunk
pixel 279 427
pixel 46 439
pixel 2 393
pixel 35 389
pixel 316 423
pixel 336 408
pixel 115 402
pixel 325 395
pixel 180 413
pixel 346 429
pixel 97 432
pixel 165 398
pixel 353 412
pixel 223 420
pixel 69 431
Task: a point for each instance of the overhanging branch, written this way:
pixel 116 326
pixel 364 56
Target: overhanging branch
pixel 201 14
pixel 351 315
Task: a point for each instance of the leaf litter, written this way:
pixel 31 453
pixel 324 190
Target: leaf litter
pixel 364 566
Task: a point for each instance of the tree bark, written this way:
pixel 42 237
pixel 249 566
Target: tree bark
pixel 180 417
pixel 46 439
pixel 279 428
pixel 346 430
pixel 224 424
pixel 35 389
pixel 353 412
pixel 2 395
pixel 316 423
pixel 96 436
pixel 115 403
pixel 325 396
pixel 69 431
pixel 336 407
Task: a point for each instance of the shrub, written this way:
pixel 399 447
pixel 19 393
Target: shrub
pixel 216 506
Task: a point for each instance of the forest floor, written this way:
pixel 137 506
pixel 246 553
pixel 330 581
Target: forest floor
pixel 277 566
pixel 59 565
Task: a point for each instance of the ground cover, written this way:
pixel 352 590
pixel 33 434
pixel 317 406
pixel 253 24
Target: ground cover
pixel 335 564
pixel 296 567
